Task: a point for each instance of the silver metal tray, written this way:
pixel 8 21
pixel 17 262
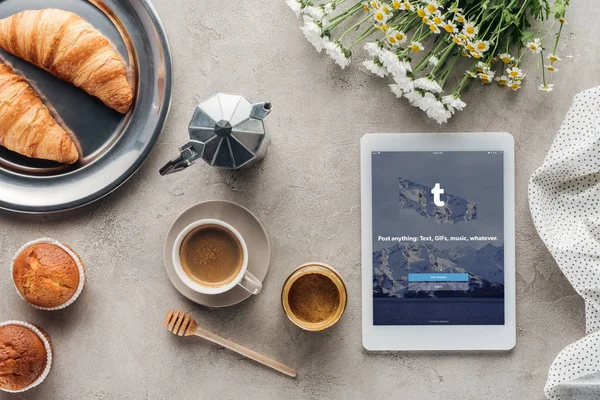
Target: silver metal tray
pixel 113 146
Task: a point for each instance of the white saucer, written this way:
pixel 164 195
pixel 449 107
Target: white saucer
pixel 259 250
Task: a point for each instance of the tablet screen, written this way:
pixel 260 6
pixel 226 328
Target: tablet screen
pixel 438 228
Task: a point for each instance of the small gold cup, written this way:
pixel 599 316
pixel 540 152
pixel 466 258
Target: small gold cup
pixel 314 296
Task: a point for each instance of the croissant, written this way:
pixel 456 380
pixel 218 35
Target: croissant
pixel 68 47
pixel 26 125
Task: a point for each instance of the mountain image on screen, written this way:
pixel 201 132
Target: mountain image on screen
pixel 392 265
pixel 418 197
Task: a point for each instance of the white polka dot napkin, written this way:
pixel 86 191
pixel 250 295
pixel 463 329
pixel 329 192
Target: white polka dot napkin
pixel 564 198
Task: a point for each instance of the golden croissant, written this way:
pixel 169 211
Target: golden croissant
pixel 68 47
pixel 26 125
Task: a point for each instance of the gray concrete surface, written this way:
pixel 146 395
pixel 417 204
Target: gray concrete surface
pixel 111 345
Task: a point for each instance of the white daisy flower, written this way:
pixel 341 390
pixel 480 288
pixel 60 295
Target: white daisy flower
pixel 515 73
pixel 373 49
pixel 502 80
pixel 535 46
pixel 296 6
pixel 506 58
pixel 449 27
pixel 470 30
pixel 380 15
pixel 553 58
pixel 431 7
pixel 515 84
pixel 375 67
pixel 328 8
pixel 551 68
pixel 482 67
pixel 313 33
pixel 434 28
pixel 460 18
pixel 433 61
pixel 397 38
pixel 428 84
pixel 402 5
pixel 416 46
pixel 482 46
pixel 338 54
pixel 486 77
pixel 546 87
pixel 453 103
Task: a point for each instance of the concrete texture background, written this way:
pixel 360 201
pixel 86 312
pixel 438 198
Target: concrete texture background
pixel 111 345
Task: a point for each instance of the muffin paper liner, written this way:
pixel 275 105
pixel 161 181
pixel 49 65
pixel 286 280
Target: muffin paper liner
pixel 45 338
pixel 71 253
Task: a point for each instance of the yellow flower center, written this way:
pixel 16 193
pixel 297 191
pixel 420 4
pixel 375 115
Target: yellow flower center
pixel 379 17
pixel 514 86
pixel 366 7
pixel 396 4
pixel 506 60
pixel 476 55
pixel 460 19
pixel 421 13
pixel 434 28
pixel 456 39
pixel 384 27
pixel 502 82
pixel 431 8
pixel 481 46
pixel 551 68
pixel 470 30
pixel 553 59
pixel 470 47
pixel 374 4
pixel 514 74
pixel 399 36
pixel 415 48
pixel 533 47
pixel 437 20
pixel 386 10
pixel 449 28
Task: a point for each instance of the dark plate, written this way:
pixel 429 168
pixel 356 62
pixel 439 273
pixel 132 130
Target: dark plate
pixel 113 146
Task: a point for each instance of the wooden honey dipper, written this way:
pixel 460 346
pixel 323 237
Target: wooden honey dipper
pixel 182 324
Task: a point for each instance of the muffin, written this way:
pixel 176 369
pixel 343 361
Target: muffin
pixel 47 274
pixel 25 356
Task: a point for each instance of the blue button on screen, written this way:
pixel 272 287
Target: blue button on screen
pixel 438 277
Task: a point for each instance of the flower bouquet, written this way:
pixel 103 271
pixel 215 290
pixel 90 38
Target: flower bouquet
pixel 425 46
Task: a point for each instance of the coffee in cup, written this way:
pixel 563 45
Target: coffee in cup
pixel 211 257
pixel 314 297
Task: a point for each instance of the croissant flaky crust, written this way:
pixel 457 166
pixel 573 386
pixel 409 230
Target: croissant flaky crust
pixel 26 125
pixel 68 47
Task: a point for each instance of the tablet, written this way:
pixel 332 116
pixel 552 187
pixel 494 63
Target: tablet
pixel 438 241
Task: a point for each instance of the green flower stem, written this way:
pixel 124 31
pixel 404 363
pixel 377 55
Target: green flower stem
pixel 355 26
pixel 370 30
pixel 448 69
pixel 543 68
pixel 444 57
pixel 557 39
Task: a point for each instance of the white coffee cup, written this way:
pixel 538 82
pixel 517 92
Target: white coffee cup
pixel 244 278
